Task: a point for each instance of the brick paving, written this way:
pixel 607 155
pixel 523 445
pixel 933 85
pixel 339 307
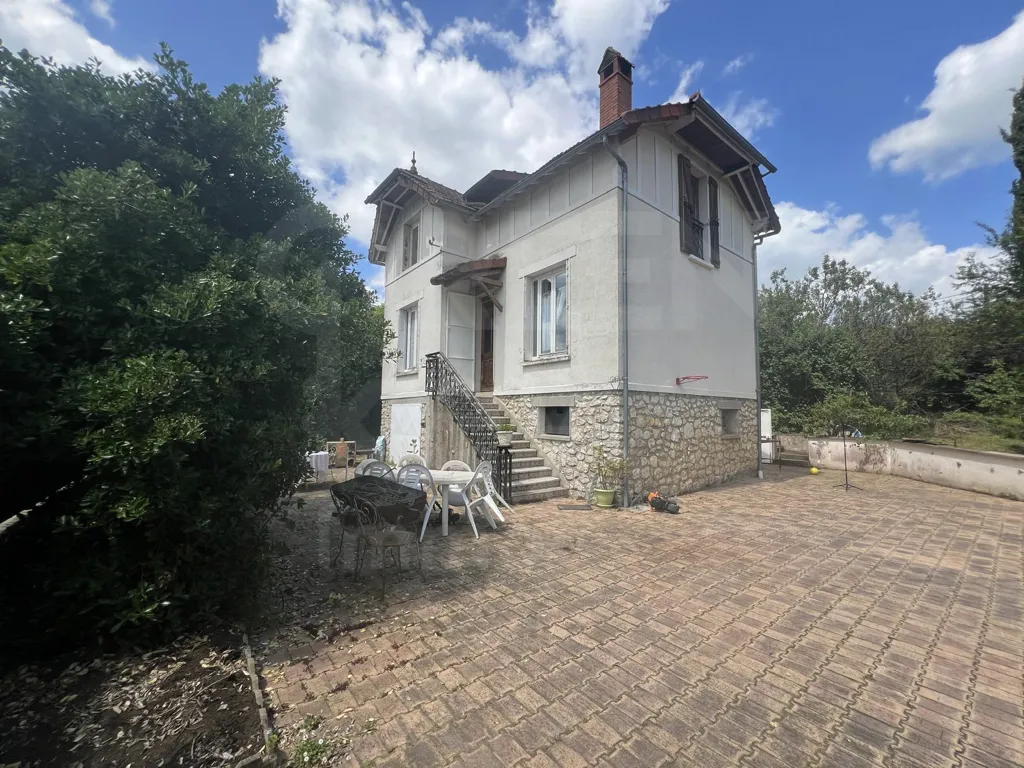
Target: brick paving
pixel 780 623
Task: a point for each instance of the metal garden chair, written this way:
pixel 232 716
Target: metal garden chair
pixel 382 536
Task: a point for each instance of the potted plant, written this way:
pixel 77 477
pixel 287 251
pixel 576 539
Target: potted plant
pixel 505 430
pixel 608 476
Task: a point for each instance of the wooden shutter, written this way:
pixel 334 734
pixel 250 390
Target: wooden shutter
pixel 406 240
pixel 685 205
pixel 716 259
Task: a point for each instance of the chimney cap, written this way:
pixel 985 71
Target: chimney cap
pixel 610 55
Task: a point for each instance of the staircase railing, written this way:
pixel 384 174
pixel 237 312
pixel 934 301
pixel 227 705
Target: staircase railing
pixel 446 385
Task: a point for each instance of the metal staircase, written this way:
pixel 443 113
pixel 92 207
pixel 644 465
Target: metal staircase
pixel 519 472
pixel 445 384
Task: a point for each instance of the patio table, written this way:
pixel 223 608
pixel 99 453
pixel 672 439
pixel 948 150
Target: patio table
pixel 394 502
pixel 444 479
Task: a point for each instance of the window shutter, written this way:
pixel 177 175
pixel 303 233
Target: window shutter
pixel 406 239
pixel 685 204
pixel 716 258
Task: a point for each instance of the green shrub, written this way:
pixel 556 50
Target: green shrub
pixel 164 281
pixel 857 411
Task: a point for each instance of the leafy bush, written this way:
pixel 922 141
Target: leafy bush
pixel 856 411
pixel 165 279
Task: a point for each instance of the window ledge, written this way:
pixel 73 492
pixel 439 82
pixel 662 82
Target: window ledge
pixel 407 372
pixel 560 438
pixel 546 359
pixel 731 437
pixel 700 262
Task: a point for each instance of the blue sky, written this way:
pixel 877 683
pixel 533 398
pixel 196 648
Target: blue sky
pixel 882 117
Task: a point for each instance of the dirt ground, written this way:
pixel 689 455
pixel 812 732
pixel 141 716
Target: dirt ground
pixel 189 704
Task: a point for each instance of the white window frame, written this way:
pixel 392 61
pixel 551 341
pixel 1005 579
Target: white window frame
pixel 534 309
pixel 408 338
pixel 411 242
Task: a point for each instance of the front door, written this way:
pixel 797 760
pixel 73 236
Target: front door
pixel 486 345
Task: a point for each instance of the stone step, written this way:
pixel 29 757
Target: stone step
pixel 523 453
pixel 531 497
pixel 522 442
pixel 535 483
pixel 536 461
pixel 524 473
pixel 484 398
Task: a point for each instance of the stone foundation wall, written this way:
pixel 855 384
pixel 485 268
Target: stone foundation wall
pixel 385 421
pixel 676 443
pixel 595 419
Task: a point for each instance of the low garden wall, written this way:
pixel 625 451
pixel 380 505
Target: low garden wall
pixel 997 474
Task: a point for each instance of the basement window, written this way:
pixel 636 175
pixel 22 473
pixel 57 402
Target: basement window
pixel 730 421
pixel 556 421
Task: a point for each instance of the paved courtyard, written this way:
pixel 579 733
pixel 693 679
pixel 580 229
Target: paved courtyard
pixel 780 623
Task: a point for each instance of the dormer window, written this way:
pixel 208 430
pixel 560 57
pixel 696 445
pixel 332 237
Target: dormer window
pixel 411 243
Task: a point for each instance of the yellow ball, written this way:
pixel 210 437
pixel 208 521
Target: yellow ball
pixel 814 470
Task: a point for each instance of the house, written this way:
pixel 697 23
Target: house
pixel 623 271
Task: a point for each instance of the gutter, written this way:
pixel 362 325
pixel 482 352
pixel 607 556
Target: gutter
pixel 623 314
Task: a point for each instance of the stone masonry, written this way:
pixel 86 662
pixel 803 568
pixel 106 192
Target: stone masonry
pixel 596 419
pixel 676 441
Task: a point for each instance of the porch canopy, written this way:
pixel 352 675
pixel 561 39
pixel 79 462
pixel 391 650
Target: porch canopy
pixel 485 274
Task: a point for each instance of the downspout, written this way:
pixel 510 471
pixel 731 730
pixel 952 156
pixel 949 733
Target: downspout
pixel 757 353
pixel 623 315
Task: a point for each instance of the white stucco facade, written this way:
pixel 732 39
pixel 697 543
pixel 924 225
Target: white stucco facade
pixel 686 317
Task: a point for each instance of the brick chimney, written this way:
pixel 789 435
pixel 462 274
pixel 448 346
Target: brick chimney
pixel 616 82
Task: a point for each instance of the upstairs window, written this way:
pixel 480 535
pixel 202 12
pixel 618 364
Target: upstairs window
pixel 550 301
pixel 408 327
pixel 411 243
pixel 691 230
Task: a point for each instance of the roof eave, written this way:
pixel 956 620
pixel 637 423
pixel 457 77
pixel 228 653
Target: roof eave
pixel 708 113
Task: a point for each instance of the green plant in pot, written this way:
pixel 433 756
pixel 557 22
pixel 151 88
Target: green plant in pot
pixel 505 430
pixel 609 474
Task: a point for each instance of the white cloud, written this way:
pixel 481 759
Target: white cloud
pixel 686 80
pixel 737 64
pixel 367 83
pixel 970 101
pixel 748 117
pixel 900 253
pixel 49 28
pixel 101 8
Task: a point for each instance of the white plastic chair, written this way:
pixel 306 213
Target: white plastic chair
pixel 411 458
pixel 361 469
pixel 418 476
pixel 483 486
pixel 378 469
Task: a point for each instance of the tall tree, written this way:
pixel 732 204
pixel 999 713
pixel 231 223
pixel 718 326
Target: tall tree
pixel 167 283
pixel 992 306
